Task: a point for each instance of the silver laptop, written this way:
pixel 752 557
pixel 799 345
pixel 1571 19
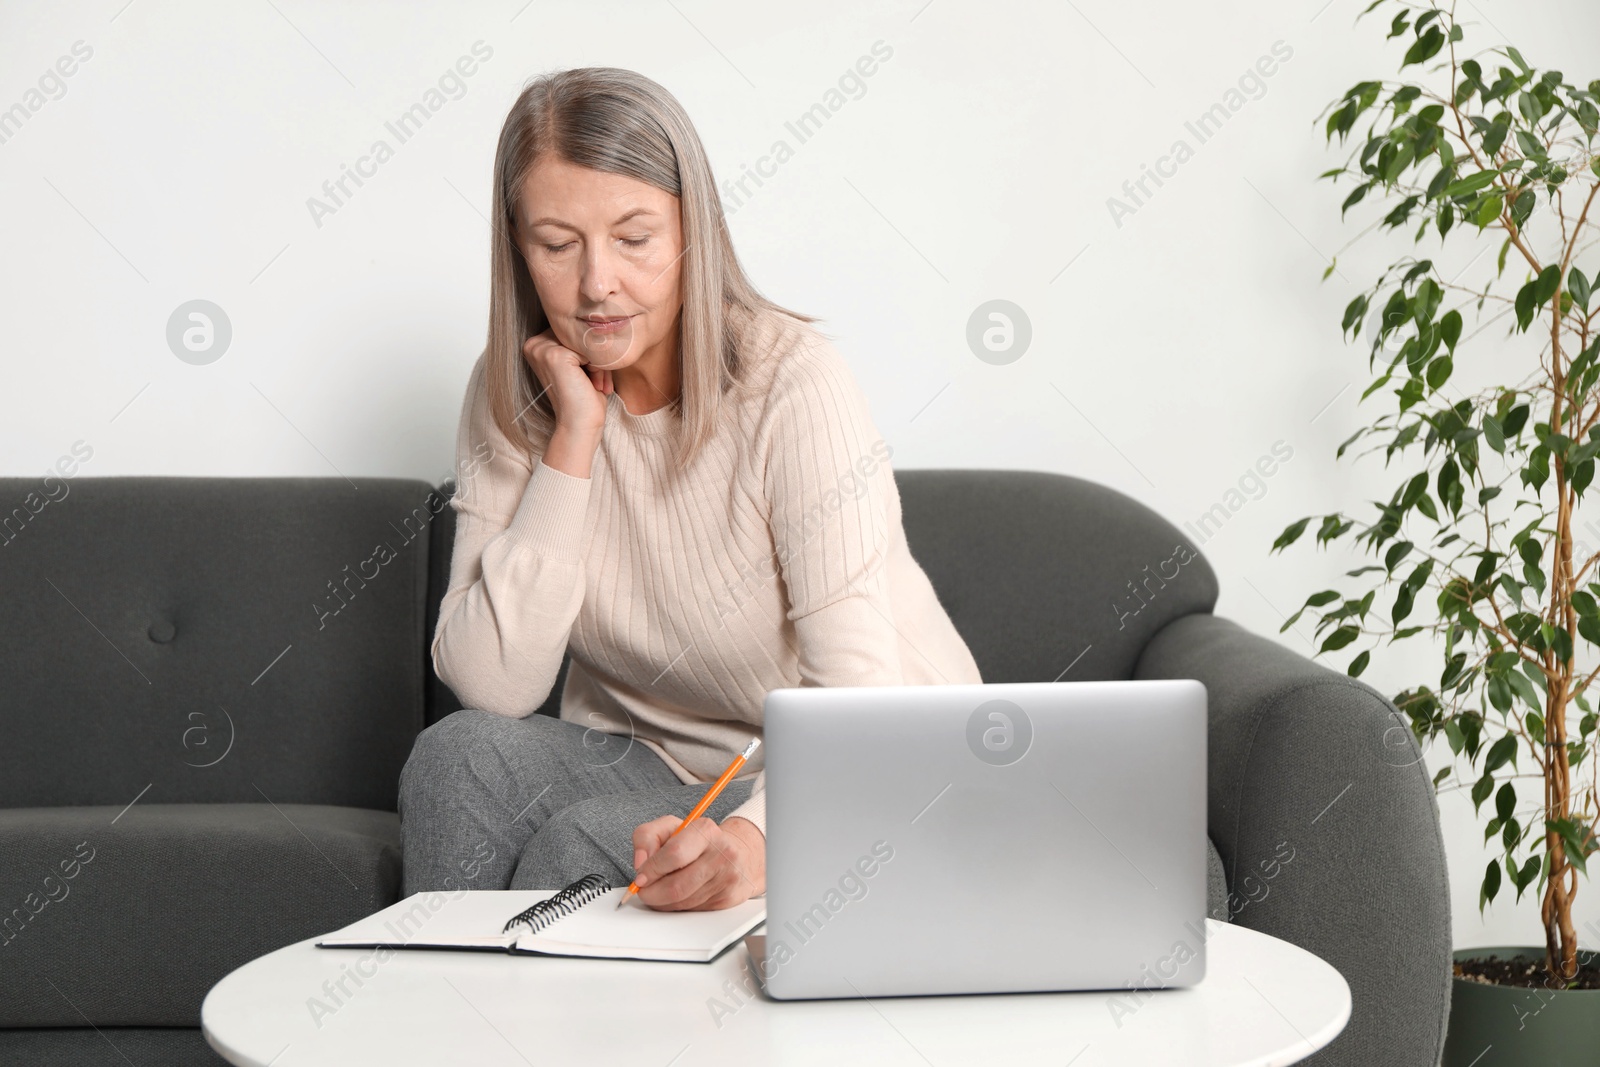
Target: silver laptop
pixel 984 838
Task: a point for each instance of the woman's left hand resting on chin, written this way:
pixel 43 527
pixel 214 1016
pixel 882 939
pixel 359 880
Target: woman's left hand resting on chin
pixel 705 868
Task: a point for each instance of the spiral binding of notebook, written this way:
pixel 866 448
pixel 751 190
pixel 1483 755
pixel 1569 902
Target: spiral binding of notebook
pixel 568 900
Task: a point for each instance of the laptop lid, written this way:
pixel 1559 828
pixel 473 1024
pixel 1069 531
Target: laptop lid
pixel 985 838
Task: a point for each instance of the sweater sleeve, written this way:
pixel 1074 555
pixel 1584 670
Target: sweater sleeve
pixel 516 572
pixel 828 486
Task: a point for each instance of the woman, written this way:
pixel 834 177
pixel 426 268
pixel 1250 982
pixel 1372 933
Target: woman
pixel 676 479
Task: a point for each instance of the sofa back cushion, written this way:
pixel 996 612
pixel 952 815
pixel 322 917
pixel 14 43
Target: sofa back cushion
pixel 1050 577
pixel 214 639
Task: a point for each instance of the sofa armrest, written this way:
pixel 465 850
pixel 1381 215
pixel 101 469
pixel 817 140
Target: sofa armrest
pixel 1326 819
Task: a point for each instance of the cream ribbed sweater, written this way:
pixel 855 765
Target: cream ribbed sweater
pixel 778 560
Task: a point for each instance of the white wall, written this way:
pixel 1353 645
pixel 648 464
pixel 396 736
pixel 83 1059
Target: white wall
pixel 1175 350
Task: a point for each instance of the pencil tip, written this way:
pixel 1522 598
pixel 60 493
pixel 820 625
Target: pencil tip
pixel 623 899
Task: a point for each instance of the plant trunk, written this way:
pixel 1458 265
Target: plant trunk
pixel 1561 940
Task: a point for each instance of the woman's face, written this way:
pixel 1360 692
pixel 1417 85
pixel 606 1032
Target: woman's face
pixel 603 251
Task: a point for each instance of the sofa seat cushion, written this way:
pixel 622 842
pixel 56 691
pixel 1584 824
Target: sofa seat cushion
pixel 1218 904
pixel 108 1046
pixel 112 917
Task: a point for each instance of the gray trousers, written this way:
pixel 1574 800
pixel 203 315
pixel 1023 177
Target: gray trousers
pixel 488 802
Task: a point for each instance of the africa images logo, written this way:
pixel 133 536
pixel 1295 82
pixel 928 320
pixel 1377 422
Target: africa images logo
pixel 999 732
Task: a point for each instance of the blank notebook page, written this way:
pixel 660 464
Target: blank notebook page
pixel 638 932
pixel 474 920
pixel 471 920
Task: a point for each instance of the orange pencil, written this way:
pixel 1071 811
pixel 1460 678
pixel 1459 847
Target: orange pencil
pixel 700 808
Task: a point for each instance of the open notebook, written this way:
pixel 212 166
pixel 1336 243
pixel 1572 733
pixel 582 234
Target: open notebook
pixel 580 920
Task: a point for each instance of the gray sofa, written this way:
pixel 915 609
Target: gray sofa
pixel 210 685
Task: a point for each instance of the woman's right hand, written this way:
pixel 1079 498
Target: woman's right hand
pixel 577 391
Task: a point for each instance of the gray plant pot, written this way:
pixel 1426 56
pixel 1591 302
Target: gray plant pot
pixel 1510 1026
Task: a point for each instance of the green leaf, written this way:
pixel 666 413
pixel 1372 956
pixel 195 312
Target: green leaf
pixel 1522 207
pixel 1354 198
pixel 1582 475
pixel 1333 527
pixel 1493 434
pixel 1413 490
pixel 1450 488
pixel 1535 675
pixel 1505 801
pixel 1561 642
pixel 1402 211
pixel 1531 551
pixel 1439 372
pixel 1348 441
pixel 1354 312
pixel 1489 210
pixel 1450 329
pixel 1546 284
pixel 1358 664
pixel 1536 293
pixel 1425 47
pixel 1426 301
pixel 1525 304
pixel 1481 790
pixel 1403 601
pixel 1471 184
pixel 1529 871
pixel 1496 136
pixel 1578 286
pixel 1340 638
pixel 1501 752
pixel 1499 692
pixel 1491 885
pixel 1528 107
pixel 1572 834
pixel 1516 57
pixel 1291 534
pixel 1536 471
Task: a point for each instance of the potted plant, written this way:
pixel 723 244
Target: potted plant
pixel 1481 151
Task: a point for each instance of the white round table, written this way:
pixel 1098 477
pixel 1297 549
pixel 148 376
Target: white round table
pixel 1262 1003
